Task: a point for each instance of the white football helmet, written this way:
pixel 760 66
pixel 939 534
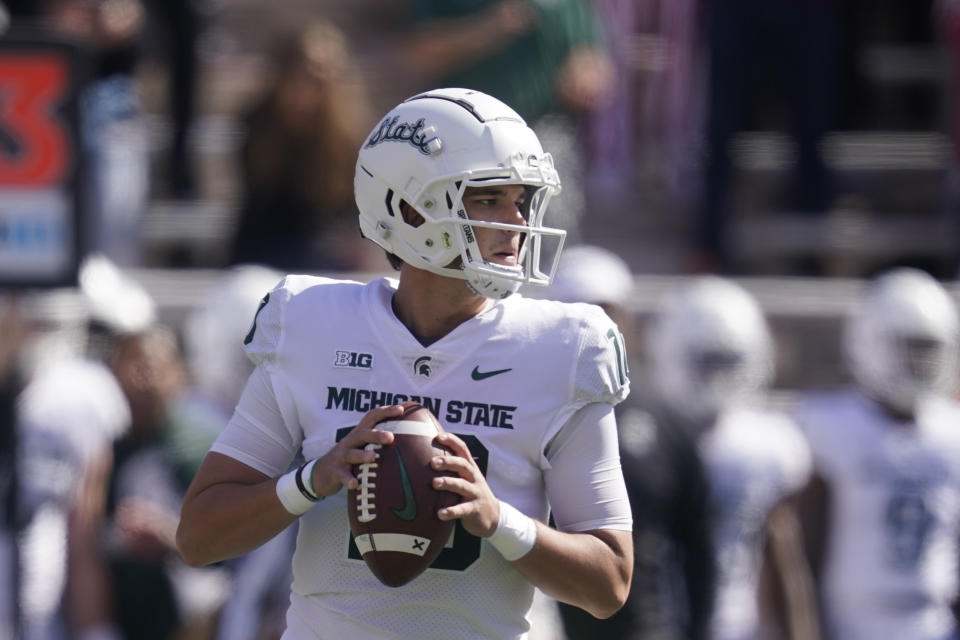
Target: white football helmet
pixel 426 152
pixel 593 274
pixel 116 300
pixel 902 339
pixel 710 348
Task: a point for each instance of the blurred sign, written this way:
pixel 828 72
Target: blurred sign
pixel 40 162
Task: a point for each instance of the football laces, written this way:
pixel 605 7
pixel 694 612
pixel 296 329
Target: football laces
pixel 365 492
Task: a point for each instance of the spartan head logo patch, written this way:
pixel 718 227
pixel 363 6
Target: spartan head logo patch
pixel 422 367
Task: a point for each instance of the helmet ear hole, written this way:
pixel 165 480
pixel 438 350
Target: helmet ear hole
pixel 410 215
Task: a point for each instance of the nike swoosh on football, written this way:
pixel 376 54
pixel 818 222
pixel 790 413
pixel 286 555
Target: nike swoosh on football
pixel 476 374
pixel 409 511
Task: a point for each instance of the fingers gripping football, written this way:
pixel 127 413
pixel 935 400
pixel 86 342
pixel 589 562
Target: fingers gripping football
pixel 335 469
pixel 479 509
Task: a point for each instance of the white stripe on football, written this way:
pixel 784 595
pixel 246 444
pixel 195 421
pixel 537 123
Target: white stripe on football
pixel 408 428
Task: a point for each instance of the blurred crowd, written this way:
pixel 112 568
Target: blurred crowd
pixel 833 514
pixel 648 106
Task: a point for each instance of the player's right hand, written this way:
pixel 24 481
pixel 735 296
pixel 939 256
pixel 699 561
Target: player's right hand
pixel 335 469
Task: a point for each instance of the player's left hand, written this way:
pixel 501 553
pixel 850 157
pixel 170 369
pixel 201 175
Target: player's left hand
pixel 479 509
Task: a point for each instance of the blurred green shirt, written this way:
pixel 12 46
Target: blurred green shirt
pixel 522 74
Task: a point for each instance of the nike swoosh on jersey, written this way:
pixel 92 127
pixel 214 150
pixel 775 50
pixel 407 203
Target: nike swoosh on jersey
pixel 476 374
pixel 409 510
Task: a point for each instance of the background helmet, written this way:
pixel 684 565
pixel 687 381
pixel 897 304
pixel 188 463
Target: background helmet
pixel 901 340
pixel 426 152
pixel 593 274
pixel 710 348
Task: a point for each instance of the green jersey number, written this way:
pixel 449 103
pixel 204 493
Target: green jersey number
pixel 619 346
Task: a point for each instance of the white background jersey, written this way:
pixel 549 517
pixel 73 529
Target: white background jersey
pixel 505 381
pixel 753 458
pixel 891 561
pixel 69 413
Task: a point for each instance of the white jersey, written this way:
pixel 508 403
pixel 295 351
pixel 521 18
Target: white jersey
pixel 68 415
pixel 753 458
pixel 505 381
pixel 891 564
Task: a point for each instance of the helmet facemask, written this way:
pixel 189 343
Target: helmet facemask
pixel 493 280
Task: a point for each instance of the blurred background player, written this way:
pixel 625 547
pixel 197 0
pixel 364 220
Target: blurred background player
pixel 13 331
pixel 881 513
pixel 711 359
pixel 126 580
pixel 673 577
pixel 68 415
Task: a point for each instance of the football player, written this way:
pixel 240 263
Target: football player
pixel 881 513
pixel 454 186
pixel 674 570
pixel 711 358
pixel 69 413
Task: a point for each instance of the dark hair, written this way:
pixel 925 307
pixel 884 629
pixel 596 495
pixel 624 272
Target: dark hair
pixel 395 261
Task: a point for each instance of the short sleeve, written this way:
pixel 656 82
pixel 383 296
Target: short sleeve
pixel 602 373
pixel 257 434
pixel 263 341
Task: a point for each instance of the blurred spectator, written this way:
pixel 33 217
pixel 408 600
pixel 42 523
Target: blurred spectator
pixel 12 332
pixel 791 45
pixel 112 130
pixel 298 159
pixel 112 126
pixel 881 513
pixel 947 17
pixel 545 59
pixel 73 442
pixel 673 559
pixel 609 128
pixel 128 578
pixel 67 417
pixel 673 100
pixel 711 358
pixel 180 25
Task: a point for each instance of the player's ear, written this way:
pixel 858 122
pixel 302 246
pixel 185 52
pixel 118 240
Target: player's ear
pixel 410 215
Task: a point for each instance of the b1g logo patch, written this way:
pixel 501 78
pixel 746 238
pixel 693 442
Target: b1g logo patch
pixel 353 360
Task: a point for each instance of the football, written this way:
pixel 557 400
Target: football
pixel 393 510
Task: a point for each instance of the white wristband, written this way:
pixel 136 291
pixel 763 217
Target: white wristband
pixel 291 497
pixel 515 535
